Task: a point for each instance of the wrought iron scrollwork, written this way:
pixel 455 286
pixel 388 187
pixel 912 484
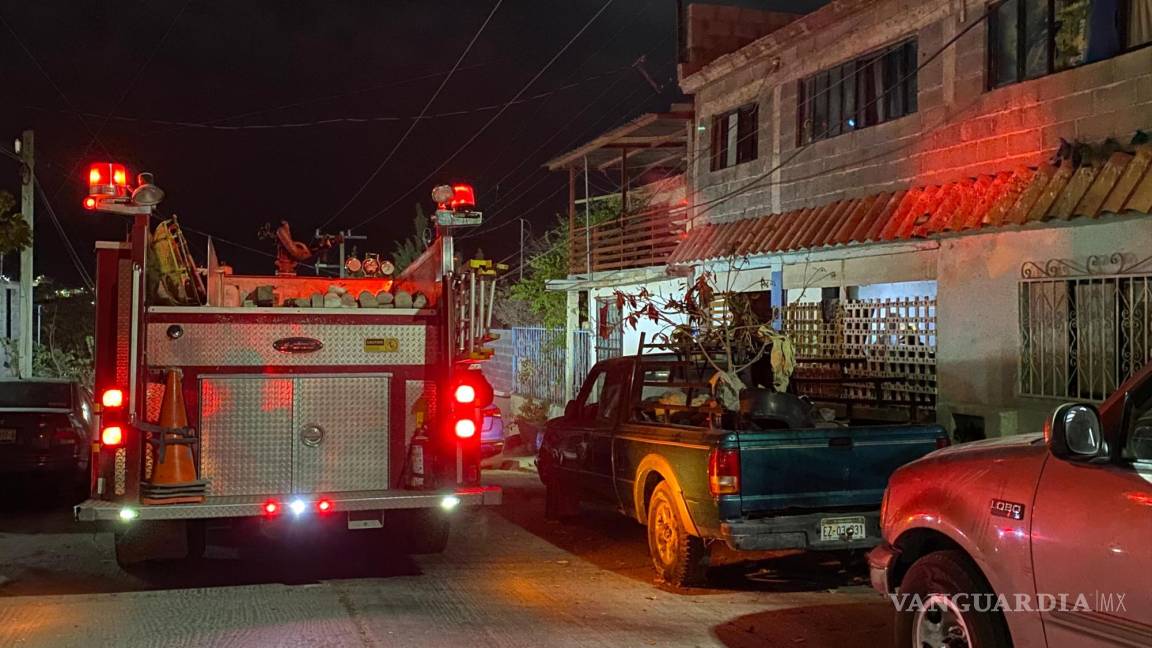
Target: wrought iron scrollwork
pixel 1096 265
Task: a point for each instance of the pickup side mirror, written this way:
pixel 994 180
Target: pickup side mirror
pixel 570 410
pixel 1074 433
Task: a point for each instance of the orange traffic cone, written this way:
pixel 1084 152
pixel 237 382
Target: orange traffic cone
pixel 174 473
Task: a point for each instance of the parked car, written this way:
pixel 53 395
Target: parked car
pixel 491 431
pixel 644 436
pixel 1059 526
pixel 45 428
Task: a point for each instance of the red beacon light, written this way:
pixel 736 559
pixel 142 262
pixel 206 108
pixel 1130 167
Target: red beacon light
pixel 107 179
pixel 463 198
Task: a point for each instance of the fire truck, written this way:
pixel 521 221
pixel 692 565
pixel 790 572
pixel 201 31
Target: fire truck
pixel 283 400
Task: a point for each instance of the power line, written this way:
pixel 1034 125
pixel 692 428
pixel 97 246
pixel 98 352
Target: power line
pixel 331 121
pixel 624 25
pixel 68 247
pixel 51 82
pixel 491 121
pixel 412 126
pixel 304 102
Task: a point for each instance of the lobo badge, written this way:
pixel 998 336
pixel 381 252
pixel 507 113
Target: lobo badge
pixel 1012 510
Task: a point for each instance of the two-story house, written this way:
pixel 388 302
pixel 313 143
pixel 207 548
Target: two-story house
pixel 947 194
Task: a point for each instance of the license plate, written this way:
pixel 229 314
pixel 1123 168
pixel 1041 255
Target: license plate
pixel 841 529
pixel 7 435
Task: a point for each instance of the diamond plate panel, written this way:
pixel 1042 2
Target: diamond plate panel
pixel 246 435
pixel 353 453
pixel 238 344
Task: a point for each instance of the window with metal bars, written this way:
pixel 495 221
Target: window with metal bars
pixel 734 136
pixel 1081 337
pixel 866 91
pixel 1031 38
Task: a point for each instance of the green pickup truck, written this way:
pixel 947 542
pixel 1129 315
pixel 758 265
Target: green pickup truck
pixel 645 435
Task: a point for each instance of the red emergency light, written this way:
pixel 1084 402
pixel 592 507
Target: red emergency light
pixel 271 507
pixel 112 435
pixel 465 394
pixel 107 179
pixel 112 398
pixel 465 428
pixel 463 198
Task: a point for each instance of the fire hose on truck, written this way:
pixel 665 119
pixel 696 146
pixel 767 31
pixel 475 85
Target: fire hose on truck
pixel 283 399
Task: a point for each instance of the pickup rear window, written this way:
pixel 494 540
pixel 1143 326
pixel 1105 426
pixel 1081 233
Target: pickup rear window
pixel 35 394
pixel 673 393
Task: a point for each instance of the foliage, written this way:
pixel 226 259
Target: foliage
pixel 547 260
pixel 719 325
pixel 509 311
pixel 67 319
pixel 407 250
pixel 15 234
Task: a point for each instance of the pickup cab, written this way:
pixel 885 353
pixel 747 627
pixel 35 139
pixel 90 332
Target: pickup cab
pixel 1030 540
pixel 645 435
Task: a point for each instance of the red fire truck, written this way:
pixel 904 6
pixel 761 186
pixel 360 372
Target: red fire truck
pixel 281 400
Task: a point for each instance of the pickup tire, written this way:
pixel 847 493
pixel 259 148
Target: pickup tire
pixel 940 622
pixel 680 558
pixel 561 501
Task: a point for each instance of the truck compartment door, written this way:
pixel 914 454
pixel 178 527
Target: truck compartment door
pixel 246 434
pixel 340 433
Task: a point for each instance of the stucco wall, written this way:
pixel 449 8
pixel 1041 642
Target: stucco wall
pixel 978 313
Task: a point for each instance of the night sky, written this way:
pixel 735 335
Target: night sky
pixel 259 63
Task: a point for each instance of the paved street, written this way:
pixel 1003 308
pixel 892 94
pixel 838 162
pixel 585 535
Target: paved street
pixel 508 579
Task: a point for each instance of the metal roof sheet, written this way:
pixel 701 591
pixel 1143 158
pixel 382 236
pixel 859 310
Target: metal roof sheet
pixel 1120 184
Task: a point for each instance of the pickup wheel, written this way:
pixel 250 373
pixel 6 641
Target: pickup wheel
pixel 560 500
pixel 680 559
pixel 932 580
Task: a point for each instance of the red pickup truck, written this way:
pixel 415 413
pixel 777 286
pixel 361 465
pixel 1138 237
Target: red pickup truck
pixel 1028 540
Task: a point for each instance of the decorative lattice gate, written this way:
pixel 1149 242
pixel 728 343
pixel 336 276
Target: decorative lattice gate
pixel 887 344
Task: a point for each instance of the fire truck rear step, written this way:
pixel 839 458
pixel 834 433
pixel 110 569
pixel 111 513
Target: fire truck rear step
pixel 253 505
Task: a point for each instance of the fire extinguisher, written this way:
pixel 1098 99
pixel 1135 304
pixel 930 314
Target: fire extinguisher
pixel 416 458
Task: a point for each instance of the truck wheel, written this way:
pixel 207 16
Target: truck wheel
pixel 424 532
pixel 159 540
pixel 560 503
pixel 932 580
pixel 681 559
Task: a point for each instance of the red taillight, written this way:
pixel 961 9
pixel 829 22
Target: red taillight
pixel 112 398
pixel 89 203
pixel 943 442
pixel 112 435
pixel 271 507
pixel 724 472
pixel 465 428
pixel 324 505
pixel 465 394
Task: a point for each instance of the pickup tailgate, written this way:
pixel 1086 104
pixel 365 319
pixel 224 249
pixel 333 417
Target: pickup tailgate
pixel 826 468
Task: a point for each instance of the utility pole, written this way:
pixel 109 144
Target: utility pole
pixel 521 249
pixel 27 279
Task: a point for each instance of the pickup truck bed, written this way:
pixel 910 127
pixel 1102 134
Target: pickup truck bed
pixel 802 487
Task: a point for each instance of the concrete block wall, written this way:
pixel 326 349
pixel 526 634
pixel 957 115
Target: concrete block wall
pixel 960 129
pixel 713 30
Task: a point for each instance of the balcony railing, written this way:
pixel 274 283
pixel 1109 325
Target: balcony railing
pixel 637 240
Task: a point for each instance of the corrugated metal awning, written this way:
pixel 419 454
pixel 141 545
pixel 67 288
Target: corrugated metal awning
pixel 1120 183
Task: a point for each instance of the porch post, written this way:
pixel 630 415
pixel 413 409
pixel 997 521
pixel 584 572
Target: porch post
pixel 571 326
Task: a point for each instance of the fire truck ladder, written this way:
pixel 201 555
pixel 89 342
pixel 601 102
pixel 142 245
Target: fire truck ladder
pixel 475 294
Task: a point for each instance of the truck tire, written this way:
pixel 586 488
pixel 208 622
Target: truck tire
pixel 424 531
pixel 169 540
pixel 560 500
pixel 940 621
pixel 680 558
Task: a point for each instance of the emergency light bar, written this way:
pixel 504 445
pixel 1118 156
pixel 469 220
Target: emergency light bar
pixel 107 179
pixel 108 190
pixel 456 205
